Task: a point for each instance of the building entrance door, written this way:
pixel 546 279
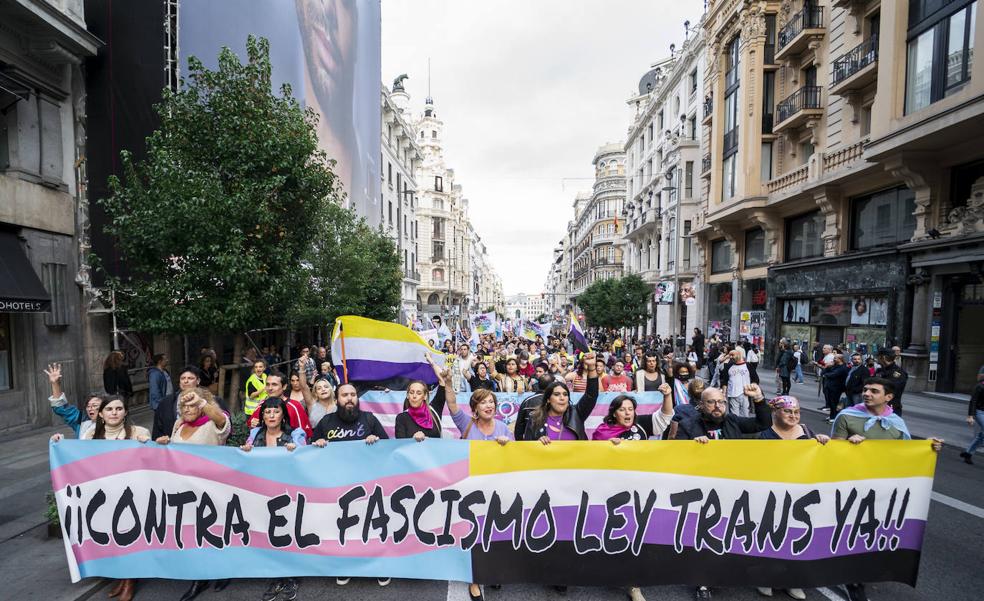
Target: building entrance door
pixel 968 352
pixel 829 335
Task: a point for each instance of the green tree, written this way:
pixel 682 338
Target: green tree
pixel 216 224
pixel 616 303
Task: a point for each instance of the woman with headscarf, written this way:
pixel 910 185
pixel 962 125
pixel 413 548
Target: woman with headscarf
pixel 113 423
pixel 201 421
pixel 275 431
pixel 555 418
pixel 623 423
pixel 786 425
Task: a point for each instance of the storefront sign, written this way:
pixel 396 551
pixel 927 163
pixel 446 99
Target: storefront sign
pixel 937 299
pixel 24 306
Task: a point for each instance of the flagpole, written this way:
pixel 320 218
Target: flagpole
pixel 341 335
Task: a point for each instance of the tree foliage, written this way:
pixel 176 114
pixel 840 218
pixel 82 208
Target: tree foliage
pixel 228 222
pixel 616 303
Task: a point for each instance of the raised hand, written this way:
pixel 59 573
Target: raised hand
pixel 753 391
pixel 665 389
pixel 53 372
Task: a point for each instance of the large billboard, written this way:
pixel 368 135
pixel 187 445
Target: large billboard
pixel 329 52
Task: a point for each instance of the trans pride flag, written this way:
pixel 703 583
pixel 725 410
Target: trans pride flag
pixel 367 350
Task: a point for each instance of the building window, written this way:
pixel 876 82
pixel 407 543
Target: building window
pixel 6 353
pixel 803 236
pixel 437 250
pixel 438 276
pixel 671 242
pixel 390 203
pixel 940 50
pixel 693 128
pixel 728 176
pixel 688 180
pixel 389 173
pixel 438 183
pixel 755 247
pixel 720 256
pixel 433 134
pixel 686 244
pixel 883 219
pixel 659 122
pixel 766 162
pixel 768 101
pixel 693 81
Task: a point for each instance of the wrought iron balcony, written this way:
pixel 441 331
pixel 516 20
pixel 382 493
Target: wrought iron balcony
pixel 708 106
pixel 705 164
pixel 792 38
pixel 801 105
pixel 856 69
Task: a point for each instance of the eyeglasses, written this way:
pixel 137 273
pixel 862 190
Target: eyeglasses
pixel 719 403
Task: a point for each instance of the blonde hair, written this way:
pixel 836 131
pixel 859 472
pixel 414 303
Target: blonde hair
pixel 740 351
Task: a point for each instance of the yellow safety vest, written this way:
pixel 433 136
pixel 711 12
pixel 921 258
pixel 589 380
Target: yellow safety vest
pixel 253 384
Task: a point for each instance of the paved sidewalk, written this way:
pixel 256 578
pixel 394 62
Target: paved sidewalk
pixel 33 565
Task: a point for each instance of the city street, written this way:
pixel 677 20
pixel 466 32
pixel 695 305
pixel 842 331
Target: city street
pixel 33 566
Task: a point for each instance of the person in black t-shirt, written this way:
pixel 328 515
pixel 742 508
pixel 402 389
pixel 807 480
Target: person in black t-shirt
pixel 348 422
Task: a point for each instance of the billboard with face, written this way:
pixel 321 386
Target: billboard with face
pixel 329 53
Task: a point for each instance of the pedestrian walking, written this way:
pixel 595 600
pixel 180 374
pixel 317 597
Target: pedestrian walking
pixel 158 381
pixel 975 417
pixel 734 377
pixel 116 378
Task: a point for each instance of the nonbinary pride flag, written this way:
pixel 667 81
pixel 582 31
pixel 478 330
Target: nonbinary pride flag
pixel 367 350
pixel 576 336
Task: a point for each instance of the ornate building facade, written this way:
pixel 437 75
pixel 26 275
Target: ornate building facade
pixel 663 161
pixel 843 179
pixel 594 233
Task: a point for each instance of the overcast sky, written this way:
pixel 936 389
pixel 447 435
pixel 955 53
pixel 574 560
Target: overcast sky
pixel 527 91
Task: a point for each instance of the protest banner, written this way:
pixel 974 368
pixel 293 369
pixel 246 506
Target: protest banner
pixel 744 513
pixel 484 323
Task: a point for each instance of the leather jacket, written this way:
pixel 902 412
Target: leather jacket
pixel 574 416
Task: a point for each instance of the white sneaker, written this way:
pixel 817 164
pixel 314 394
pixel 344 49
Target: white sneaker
pixel 765 590
pixel 635 594
pixel 796 593
pixel 383 581
pixel 342 581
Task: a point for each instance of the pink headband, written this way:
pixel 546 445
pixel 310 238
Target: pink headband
pixel 785 402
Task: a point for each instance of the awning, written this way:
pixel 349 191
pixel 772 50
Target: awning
pixel 21 291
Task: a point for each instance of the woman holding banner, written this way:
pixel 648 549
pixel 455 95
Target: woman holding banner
pixel 623 423
pixel 112 423
pixel 555 418
pixel 202 422
pixel 275 431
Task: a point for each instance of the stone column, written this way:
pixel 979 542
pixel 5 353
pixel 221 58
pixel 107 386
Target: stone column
pixel 915 357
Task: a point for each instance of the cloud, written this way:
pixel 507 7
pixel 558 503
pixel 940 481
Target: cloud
pixel 528 90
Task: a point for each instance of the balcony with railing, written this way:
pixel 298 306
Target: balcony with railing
pixel 857 69
pixel 799 107
pixel 795 35
pixel 708 108
pixel 705 165
pixel 410 274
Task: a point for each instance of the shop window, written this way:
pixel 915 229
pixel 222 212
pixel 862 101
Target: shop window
pixel 720 256
pixel 753 295
pixel 883 219
pixel 755 248
pixel 803 236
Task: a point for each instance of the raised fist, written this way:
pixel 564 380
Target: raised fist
pixel 753 391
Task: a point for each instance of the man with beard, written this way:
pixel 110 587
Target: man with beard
pixel 348 422
pixel 713 422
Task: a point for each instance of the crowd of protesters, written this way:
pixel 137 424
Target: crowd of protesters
pixel 711 389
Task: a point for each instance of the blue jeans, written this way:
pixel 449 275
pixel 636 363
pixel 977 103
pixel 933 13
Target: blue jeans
pixel 979 435
pixel 799 373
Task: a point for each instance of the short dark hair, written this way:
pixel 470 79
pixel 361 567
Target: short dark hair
pixel 157 358
pixel 887 385
pixel 276 374
pixel 191 369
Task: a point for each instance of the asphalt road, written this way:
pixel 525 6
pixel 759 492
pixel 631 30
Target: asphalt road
pixel 33 566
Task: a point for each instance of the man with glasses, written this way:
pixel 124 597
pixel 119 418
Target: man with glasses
pixel 713 422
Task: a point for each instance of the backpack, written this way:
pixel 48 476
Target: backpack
pixel 803 359
pixel 791 362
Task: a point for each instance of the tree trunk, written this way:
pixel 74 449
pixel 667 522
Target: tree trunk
pixel 237 352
